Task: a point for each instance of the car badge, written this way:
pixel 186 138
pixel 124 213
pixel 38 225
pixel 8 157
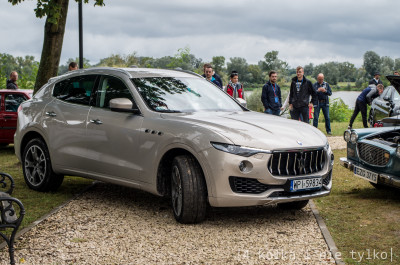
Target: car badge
pixel 299 142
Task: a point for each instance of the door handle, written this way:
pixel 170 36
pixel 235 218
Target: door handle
pixel 96 121
pixel 51 113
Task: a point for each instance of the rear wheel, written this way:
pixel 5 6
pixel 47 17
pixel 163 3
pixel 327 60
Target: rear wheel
pixel 37 169
pixel 188 190
pixel 296 205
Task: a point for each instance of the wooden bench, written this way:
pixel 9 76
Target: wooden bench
pixel 11 213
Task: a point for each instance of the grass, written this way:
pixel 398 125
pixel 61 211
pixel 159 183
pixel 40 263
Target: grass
pixel 338 128
pixel 37 204
pixel 361 218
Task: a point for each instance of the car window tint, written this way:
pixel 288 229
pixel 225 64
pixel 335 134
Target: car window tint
pixel 109 88
pixel 75 90
pixel 12 101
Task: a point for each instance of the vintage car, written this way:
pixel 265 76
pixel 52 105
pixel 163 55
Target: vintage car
pixel 171 133
pixel 9 103
pixel 387 104
pixel 373 154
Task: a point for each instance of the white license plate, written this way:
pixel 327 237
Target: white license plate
pixel 366 174
pixel 305 184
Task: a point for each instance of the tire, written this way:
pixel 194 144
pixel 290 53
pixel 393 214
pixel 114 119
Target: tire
pixel 296 205
pixel 188 190
pixel 37 169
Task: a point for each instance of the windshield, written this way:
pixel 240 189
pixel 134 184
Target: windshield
pixel 189 94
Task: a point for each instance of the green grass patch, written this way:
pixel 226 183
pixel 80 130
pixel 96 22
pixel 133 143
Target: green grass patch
pixel 362 219
pixel 337 128
pixel 37 204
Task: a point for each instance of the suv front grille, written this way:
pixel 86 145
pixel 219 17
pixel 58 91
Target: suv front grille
pixel 372 154
pixel 296 163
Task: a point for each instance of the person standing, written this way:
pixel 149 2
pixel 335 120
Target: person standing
pixel 209 75
pixel 234 88
pixel 323 91
pixel 12 82
pixel 214 75
pixel 72 66
pixel 366 97
pixel 271 95
pixel 376 80
pixel 299 100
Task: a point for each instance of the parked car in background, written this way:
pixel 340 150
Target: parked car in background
pixel 373 154
pixel 387 104
pixel 171 133
pixel 9 103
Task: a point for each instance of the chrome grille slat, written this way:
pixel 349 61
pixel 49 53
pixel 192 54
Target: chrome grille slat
pixel 297 163
pixel 372 154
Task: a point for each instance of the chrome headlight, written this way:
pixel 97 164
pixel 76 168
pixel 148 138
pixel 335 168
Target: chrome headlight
pixel 353 137
pixel 346 135
pixel 238 150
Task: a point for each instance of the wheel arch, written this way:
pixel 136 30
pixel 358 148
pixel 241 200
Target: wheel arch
pixel 28 137
pixel 165 167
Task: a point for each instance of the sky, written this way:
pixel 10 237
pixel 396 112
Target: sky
pixel 309 31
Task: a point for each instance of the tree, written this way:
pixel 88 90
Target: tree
pixel 387 65
pixel 55 12
pixel 218 62
pixel 308 69
pixel 372 63
pixel 330 71
pixel 347 72
pixel 272 62
pixel 239 65
pixel 397 64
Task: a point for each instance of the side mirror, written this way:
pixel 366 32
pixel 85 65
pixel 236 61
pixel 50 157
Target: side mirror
pixel 123 105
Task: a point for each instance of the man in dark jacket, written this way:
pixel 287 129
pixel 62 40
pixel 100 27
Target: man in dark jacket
pixel 214 75
pixel 323 91
pixel 12 82
pixel 376 80
pixel 271 95
pixel 366 97
pixel 299 98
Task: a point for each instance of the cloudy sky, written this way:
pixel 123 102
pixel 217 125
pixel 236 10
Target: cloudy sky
pixel 302 31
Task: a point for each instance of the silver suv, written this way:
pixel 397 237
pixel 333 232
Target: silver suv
pixel 171 133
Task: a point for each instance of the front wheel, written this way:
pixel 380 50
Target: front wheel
pixel 296 205
pixel 37 169
pixel 188 190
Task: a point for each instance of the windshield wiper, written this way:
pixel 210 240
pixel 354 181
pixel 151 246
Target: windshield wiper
pixel 169 111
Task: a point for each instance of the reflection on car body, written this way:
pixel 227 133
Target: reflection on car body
pixel 171 133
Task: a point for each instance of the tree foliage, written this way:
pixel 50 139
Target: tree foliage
pixel 372 63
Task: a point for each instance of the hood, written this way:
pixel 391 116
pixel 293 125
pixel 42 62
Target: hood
pixel 257 130
pixel 395 81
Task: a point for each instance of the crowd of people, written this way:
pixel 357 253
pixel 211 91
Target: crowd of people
pixel 303 96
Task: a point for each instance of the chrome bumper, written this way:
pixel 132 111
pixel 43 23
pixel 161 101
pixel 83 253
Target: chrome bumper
pixel 383 178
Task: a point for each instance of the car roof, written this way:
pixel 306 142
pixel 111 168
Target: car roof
pixel 24 91
pixel 130 72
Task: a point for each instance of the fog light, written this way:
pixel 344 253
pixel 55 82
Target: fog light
pixel 245 166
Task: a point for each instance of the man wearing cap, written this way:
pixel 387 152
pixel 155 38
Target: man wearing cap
pixel 376 81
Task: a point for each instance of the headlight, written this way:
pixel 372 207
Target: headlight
pixel 346 135
pixel 398 151
pixel 238 150
pixel 353 137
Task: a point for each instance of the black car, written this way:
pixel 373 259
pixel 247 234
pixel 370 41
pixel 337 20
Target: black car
pixel 387 104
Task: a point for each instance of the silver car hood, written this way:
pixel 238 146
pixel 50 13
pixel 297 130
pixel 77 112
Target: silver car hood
pixel 257 130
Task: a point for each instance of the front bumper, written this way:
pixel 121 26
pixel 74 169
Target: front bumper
pixel 383 178
pixel 225 167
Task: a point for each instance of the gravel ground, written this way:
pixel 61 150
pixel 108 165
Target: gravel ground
pixel 116 225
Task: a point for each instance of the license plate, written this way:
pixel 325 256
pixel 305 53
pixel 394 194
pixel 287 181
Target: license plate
pixel 366 174
pixel 305 184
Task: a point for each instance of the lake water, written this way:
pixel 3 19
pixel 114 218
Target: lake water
pixel 349 97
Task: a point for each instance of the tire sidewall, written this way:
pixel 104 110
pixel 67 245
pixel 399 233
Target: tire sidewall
pixel 47 178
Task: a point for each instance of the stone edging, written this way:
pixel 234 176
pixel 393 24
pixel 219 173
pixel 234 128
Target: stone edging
pixel 327 236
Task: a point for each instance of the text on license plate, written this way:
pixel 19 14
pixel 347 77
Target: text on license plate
pixel 305 184
pixel 365 174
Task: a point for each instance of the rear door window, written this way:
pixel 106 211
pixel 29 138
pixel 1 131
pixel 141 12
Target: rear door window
pixel 76 90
